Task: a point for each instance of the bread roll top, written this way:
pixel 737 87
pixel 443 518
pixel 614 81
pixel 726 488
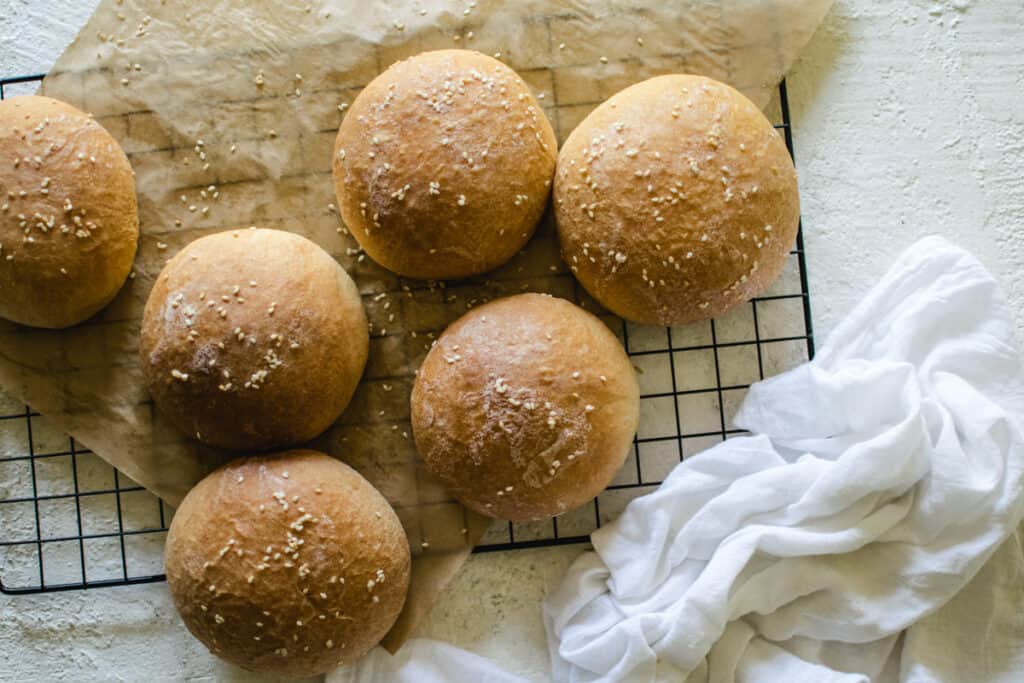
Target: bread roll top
pixel 525 408
pixel 69 221
pixel 443 165
pixel 253 339
pixel 676 200
pixel 289 563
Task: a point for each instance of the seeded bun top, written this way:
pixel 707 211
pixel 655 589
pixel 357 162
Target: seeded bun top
pixel 289 564
pixel 443 165
pixel 253 339
pixel 69 222
pixel 675 200
pixel 525 407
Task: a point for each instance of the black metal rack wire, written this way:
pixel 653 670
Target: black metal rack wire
pixel 69 521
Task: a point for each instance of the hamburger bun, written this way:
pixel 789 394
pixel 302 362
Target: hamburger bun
pixel 676 200
pixel 288 564
pixel 443 165
pixel 525 407
pixel 69 221
pixel 253 339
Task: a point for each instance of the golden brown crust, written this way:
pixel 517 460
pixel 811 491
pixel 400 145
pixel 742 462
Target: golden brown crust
pixel 443 165
pixel 675 201
pixel 525 407
pixel 289 563
pixel 68 216
pixel 253 339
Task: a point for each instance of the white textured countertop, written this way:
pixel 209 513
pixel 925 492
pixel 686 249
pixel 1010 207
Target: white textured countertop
pixel 908 120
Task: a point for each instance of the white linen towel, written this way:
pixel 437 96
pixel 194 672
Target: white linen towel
pixel 879 479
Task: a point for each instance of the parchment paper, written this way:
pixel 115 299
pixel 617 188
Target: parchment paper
pixel 228 112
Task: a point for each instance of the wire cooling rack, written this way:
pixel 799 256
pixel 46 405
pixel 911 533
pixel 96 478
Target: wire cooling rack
pixel 70 521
